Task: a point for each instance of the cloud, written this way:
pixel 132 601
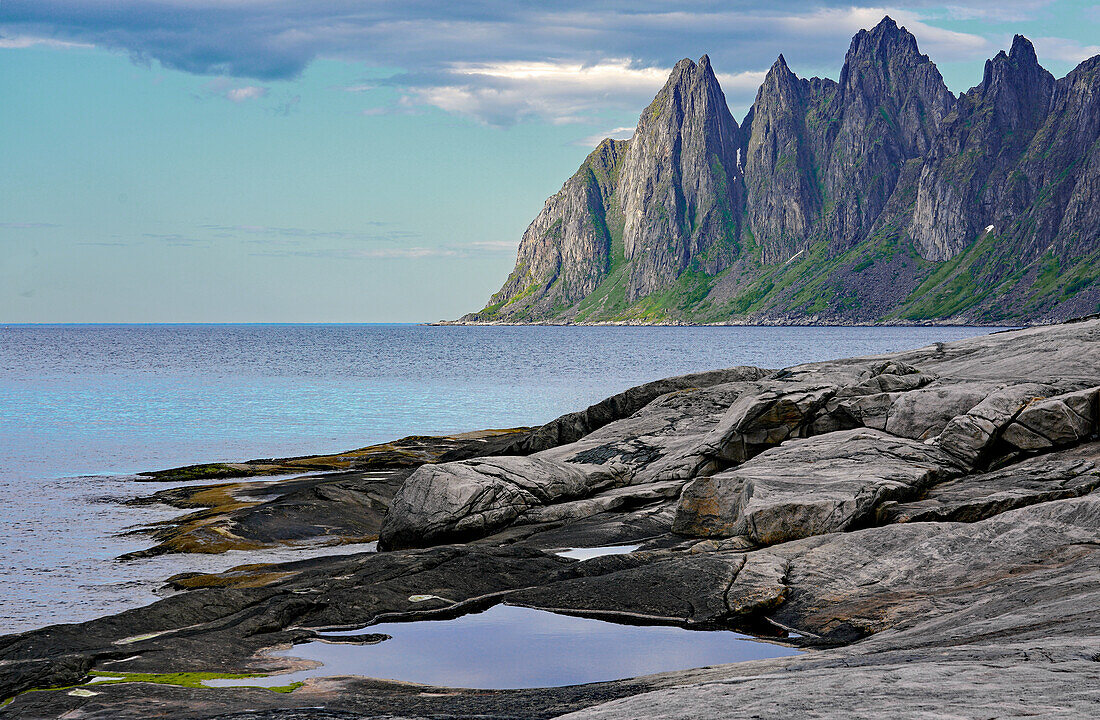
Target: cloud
pixel 405 252
pixel 503 93
pixel 499 63
pixel 285 108
pixel 384 233
pixel 26 225
pixel 248 92
pixel 808 29
pixel 175 239
pixel 483 247
pixel 413 252
pixel 26 41
pixel 1064 50
pixel 494 246
pixel 225 87
pixel 275 241
pixel 390 253
pixel 619 133
pixel 1006 11
pixel 275 39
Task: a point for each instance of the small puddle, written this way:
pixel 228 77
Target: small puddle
pixel 509 647
pixel 594 552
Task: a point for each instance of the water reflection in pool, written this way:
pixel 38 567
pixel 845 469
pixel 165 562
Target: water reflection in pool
pixel 512 647
pixel 587 553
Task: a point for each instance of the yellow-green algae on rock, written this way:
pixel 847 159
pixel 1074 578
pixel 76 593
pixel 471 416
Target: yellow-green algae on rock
pixel 180 679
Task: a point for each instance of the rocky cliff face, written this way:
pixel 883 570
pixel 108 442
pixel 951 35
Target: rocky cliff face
pixel 567 250
pixel 680 184
pixel 783 198
pixel 983 138
pixel 878 198
pixel 887 110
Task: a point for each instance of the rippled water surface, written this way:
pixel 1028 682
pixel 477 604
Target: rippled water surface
pixel 83 406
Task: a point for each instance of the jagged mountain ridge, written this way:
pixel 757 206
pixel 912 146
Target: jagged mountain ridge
pixel 877 198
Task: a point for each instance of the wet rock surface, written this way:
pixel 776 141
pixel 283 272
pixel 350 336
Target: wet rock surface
pixel 925 525
pixel 340 499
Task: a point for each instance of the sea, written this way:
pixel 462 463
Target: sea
pixel 85 407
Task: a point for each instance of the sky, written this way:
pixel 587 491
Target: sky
pixel 340 161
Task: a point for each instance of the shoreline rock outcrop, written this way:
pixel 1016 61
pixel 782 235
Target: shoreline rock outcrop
pixel 926 525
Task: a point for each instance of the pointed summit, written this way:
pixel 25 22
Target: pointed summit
pixel 779 76
pixel 684 68
pixel 889 108
pixel 886 26
pixel 1022 52
pixel 882 41
pixel 886 43
pixel 687 72
pixel 1017 88
pixel 982 139
pixel 781 196
pixel 781 91
pixel 680 191
pixel 1020 59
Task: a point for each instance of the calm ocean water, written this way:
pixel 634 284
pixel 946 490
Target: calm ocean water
pixel 83 406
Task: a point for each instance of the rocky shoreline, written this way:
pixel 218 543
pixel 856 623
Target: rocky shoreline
pixel 925 525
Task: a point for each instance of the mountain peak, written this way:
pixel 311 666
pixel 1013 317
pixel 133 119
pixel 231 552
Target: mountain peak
pixel 682 73
pixel 688 71
pixel 885 61
pixel 883 41
pixel 647 229
pixel 678 194
pixel 1022 51
pixel 685 65
pixel 1020 60
pixel 687 83
pixel 778 84
pixel 1019 68
pixel 886 25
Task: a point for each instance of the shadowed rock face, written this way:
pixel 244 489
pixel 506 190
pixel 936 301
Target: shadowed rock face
pixel 983 138
pixel 928 522
pixel 783 199
pixel 343 504
pixel 1053 476
pixel 887 110
pixel 878 198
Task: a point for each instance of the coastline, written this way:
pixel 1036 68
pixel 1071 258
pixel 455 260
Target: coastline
pixel 967 540
pixel 737 323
